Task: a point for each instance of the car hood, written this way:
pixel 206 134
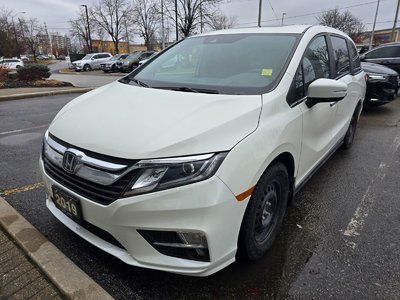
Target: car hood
pixel 376 68
pixel 78 62
pixel 133 122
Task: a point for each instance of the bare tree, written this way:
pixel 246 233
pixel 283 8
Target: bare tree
pixel 146 13
pixel 79 29
pixel 192 14
pixel 346 22
pixel 31 32
pixel 6 45
pixel 109 15
pixel 222 22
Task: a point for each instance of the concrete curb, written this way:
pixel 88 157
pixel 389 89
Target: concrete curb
pixel 85 73
pixel 42 94
pixel 72 282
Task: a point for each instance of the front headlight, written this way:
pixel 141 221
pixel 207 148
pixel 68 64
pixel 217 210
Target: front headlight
pixel 161 174
pixel 373 77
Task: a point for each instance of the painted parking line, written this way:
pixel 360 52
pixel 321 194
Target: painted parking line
pixel 356 224
pixel 23 129
pixel 21 189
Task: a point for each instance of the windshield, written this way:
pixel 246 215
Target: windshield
pixel 87 57
pixel 228 64
pixel 115 57
pixel 134 55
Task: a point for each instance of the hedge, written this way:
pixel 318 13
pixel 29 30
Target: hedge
pixel 33 72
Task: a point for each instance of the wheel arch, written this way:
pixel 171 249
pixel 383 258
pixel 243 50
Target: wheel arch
pixel 287 159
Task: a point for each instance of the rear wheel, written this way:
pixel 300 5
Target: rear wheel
pixel 264 213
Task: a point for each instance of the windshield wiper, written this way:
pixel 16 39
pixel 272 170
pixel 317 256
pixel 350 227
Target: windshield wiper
pixel 127 80
pixel 187 89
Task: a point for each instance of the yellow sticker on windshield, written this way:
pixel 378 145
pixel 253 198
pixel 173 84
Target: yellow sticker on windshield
pixel 266 72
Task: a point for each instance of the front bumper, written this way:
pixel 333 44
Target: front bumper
pixel 379 93
pixel 208 207
pixel 78 68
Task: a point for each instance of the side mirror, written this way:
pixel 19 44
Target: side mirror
pixel 325 90
pixel 362 57
pixel 92 58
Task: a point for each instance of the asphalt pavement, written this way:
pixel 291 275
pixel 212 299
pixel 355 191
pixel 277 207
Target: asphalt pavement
pixel 95 78
pixel 340 238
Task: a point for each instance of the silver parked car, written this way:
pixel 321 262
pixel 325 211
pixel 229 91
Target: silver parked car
pixel 91 61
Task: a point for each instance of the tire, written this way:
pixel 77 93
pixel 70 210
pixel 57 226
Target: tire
pixel 113 69
pixel 133 67
pixel 264 213
pixel 351 131
pixel 87 68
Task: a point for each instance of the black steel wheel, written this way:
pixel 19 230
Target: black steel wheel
pixel 264 213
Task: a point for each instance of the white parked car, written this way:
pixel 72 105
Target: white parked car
pixel 191 160
pixel 91 61
pixel 11 63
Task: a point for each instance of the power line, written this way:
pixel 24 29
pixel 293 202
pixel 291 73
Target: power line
pixel 272 9
pixel 315 13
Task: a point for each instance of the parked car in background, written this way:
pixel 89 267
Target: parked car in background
pixel 11 63
pixel 382 84
pixel 386 54
pixel 191 160
pixel 132 61
pixel 91 61
pixel 147 59
pixel 109 65
pixel 43 57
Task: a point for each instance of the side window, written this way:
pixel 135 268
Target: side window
pixel 341 55
pixel 96 56
pixel 314 65
pixel 384 52
pixel 355 59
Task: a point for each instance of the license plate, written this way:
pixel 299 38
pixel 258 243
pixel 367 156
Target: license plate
pixel 68 205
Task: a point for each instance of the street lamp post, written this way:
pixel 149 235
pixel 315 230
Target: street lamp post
pixel 283 15
pixel 15 32
pixel 88 28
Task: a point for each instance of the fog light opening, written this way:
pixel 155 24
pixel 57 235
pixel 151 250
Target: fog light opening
pixel 182 244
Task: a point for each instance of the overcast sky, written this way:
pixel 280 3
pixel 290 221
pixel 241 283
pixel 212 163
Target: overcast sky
pixel 57 13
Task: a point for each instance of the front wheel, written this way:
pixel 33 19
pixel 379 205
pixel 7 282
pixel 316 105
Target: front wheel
pixel 264 213
pixel 87 68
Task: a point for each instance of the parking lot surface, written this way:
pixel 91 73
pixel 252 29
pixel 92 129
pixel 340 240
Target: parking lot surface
pixel 340 238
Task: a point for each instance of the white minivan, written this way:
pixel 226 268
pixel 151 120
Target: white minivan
pixel 190 161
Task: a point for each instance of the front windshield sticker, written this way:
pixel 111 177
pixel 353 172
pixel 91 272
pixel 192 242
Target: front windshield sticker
pixel 266 72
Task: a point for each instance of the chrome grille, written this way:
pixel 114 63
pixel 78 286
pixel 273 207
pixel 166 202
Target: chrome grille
pixel 100 193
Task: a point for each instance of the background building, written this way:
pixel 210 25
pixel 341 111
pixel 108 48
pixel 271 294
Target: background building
pixel 381 36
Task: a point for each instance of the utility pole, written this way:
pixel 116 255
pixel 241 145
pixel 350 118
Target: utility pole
pixel 259 13
pixel 176 20
pixel 162 25
pixel 127 34
pixel 88 28
pixel 201 16
pixel 395 20
pixel 373 27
